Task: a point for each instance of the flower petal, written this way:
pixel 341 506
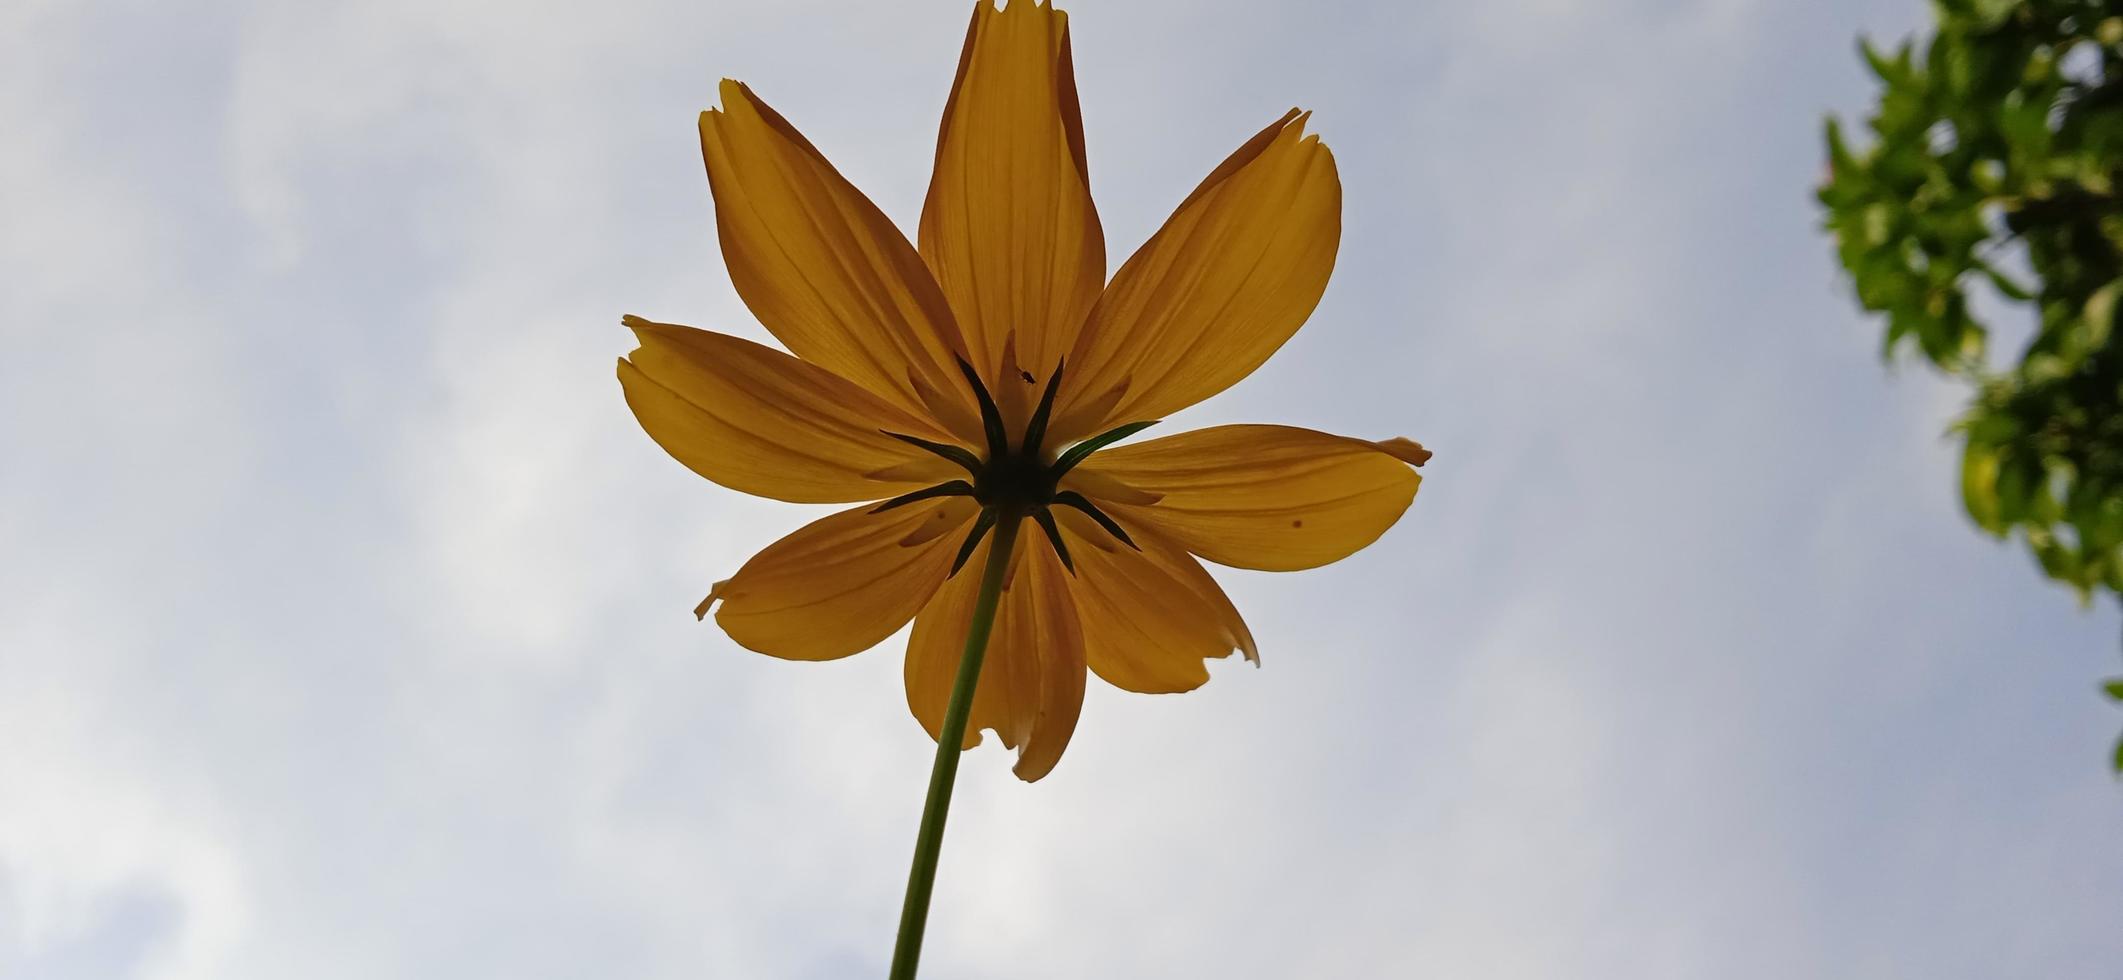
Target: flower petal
pixel 839 585
pixel 758 421
pixel 821 267
pixel 1009 227
pixel 1032 678
pixel 1271 497
pixel 1231 275
pixel 1150 617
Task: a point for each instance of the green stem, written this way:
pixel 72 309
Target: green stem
pixel 929 842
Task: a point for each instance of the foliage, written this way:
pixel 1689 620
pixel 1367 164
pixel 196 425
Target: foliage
pixel 1995 161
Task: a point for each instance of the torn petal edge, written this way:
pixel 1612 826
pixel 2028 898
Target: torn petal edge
pixel 700 612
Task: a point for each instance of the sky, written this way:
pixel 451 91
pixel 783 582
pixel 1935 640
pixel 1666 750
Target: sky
pixel 348 628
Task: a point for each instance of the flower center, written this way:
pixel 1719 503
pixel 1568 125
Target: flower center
pixel 1016 482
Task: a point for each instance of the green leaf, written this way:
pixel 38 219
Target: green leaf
pixel 2011 490
pixel 1841 164
pixel 2057 560
pixel 1993 12
pixel 1995 155
pixel 1893 71
pixel 1879 223
pixel 2100 317
pixel 2005 284
pixel 1979 487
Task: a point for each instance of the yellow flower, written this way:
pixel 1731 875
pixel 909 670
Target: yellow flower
pixel 955 378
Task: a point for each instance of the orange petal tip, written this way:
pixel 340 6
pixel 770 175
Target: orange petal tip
pixel 1405 449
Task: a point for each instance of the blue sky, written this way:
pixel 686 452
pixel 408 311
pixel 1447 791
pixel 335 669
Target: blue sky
pixel 349 632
